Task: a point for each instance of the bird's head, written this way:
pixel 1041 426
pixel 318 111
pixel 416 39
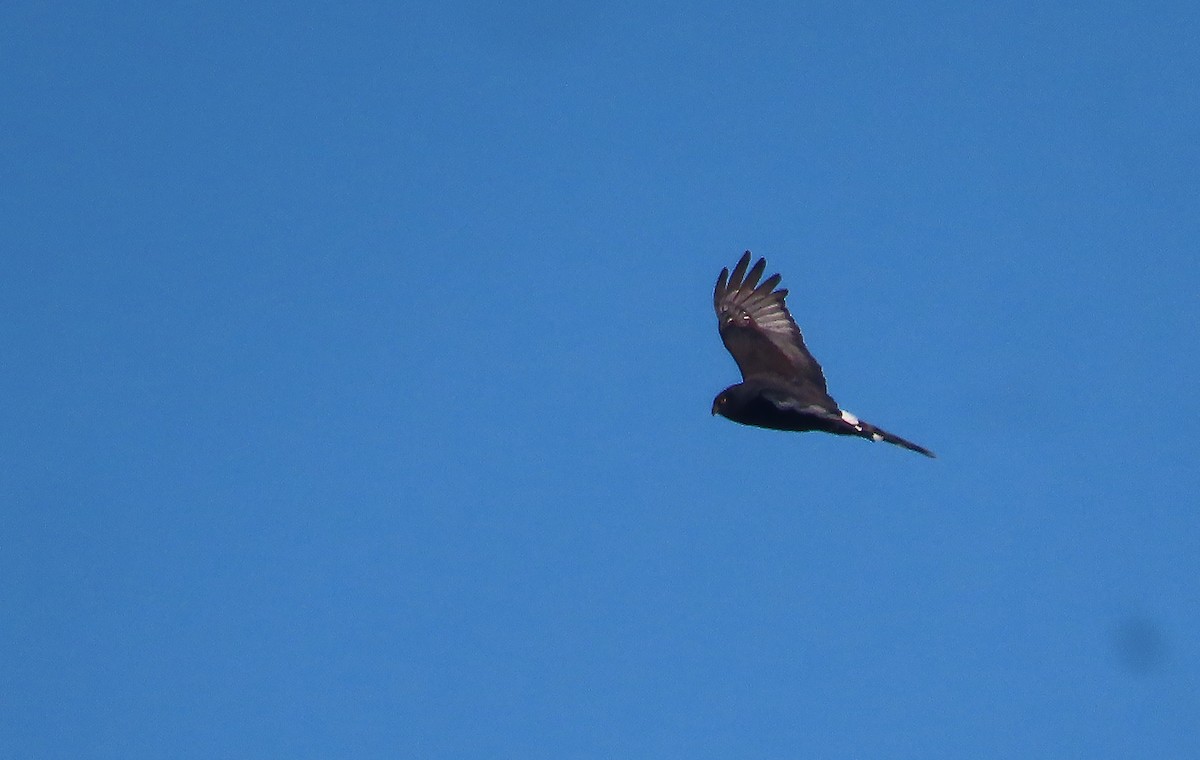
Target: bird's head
pixel 721 402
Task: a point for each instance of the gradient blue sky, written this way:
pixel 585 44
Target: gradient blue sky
pixel 357 362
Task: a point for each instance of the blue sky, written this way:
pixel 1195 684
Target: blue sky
pixel 357 364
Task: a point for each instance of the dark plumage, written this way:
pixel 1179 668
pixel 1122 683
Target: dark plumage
pixel 782 385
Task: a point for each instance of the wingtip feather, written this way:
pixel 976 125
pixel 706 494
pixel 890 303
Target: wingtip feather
pixel 719 290
pixel 753 275
pixel 739 270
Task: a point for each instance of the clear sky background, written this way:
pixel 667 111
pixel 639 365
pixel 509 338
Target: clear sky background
pixel 356 364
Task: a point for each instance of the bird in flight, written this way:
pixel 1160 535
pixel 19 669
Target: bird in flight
pixel 783 387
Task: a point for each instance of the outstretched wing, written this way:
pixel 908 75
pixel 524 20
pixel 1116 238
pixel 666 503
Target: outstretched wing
pixel 758 329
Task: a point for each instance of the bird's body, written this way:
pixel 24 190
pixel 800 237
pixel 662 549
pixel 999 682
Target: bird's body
pixel 783 387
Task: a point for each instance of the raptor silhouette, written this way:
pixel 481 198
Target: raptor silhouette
pixel 783 387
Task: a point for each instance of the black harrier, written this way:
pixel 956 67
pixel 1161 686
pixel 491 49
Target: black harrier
pixel 782 385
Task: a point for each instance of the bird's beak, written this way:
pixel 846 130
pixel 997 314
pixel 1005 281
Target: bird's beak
pixel 714 409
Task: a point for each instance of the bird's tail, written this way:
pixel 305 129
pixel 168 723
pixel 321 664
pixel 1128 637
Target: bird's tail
pixel 890 438
pixel 870 432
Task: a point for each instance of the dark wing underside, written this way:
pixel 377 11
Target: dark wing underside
pixel 758 329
